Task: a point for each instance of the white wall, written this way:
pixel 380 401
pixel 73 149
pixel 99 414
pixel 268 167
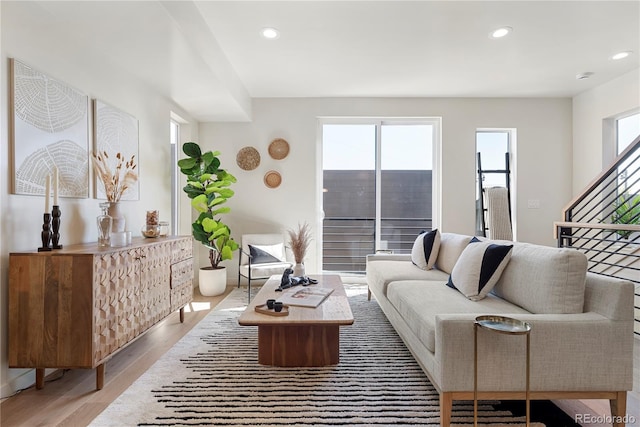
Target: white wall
pixel 590 108
pixel 543 159
pixel 27 37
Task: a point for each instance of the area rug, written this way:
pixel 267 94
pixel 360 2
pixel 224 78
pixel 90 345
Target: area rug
pixel 211 377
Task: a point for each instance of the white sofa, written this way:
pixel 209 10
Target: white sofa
pixel 581 325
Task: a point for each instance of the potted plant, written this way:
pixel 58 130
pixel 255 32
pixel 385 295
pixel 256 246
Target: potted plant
pixel 627 211
pixel 208 188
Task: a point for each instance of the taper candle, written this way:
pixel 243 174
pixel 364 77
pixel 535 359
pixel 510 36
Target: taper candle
pixel 56 178
pixel 47 194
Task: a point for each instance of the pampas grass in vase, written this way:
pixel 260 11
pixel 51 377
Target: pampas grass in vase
pixel 299 241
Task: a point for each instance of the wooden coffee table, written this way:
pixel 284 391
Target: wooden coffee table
pixel 307 336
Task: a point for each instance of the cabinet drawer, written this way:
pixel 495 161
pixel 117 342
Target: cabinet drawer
pixel 181 249
pixel 181 283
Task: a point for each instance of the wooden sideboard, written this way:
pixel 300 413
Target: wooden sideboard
pixel 78 306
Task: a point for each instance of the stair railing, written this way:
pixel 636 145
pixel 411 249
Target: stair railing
pixel 603 221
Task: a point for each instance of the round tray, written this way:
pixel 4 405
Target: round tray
pixel 279 149
pixel 248 158
pixel 266 310
pixel 505 325
pixel 272 179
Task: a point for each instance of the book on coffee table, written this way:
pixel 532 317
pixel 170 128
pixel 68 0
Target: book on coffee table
pixel 305 297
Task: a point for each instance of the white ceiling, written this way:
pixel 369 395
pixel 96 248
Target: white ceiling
pixel 209 57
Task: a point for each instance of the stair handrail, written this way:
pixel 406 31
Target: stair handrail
pixel 600 178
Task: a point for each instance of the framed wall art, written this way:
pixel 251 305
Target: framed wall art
pixel 116 132
pixel 49 129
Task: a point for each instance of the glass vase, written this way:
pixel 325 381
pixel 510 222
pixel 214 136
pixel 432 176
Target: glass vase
pixel 105 223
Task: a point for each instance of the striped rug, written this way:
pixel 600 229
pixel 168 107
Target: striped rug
pixel 211 377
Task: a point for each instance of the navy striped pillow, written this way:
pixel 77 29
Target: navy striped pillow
pixel 479 267
pixel 425 249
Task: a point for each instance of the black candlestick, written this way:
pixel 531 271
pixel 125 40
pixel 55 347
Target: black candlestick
pixel 46 233
pixel 55 224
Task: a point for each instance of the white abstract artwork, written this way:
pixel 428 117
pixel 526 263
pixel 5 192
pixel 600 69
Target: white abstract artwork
pixel 50 128
pixel 116 132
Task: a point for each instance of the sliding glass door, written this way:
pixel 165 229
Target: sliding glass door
pixel 377 189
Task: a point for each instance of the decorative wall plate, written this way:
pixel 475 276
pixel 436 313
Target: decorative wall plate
pixel 248 158
pixel 272 179
pixel 279 149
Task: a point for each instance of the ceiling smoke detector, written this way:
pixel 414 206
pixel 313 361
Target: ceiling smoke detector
pixel 583 76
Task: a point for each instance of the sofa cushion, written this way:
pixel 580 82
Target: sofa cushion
pixel 419 306
pixel 425 249
pixel 543 279
pixel 451 246
pixel 381 273
pixel 479 268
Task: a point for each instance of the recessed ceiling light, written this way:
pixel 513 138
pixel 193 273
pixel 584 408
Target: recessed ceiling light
pixel 500 32
pixel 270 33
pixel 621 55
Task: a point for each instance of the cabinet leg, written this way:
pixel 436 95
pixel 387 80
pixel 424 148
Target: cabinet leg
pixel 40 378
pixel 182 315
pixel 100 376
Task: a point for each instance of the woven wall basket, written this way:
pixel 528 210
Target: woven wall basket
pixel 279 149
pixel 248 158
pixel 272 179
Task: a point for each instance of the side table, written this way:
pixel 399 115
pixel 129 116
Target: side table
pixel 503 325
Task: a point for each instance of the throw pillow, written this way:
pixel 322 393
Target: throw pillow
pixel 262 254
pixel 425 249
pixel 479 267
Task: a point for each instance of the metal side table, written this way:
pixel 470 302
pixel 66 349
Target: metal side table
pixel 503 325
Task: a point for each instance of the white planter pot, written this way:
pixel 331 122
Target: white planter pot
pixel 212 282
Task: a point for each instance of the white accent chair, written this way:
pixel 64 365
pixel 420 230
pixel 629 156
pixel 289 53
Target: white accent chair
pixel 272 244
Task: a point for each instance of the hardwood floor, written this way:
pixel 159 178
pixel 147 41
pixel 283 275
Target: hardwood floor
pixel 69 398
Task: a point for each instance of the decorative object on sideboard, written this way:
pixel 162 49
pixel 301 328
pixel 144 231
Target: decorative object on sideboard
pixel 56 213
pixel 116 132
pixel 104 222
pixel 164 228
pixel 46 233
pixel 272 179
pixel 208 188
pixel 118 220
pixel 248 158
pixel 49 127
pixel 279 149
pixel 299 241
pixel 152 226
pixel 115 183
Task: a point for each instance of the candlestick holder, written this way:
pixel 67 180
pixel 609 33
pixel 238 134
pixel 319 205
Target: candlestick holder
pixel 56 213
pixel 46 233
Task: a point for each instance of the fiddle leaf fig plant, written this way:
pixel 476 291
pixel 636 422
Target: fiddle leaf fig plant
pixel 208 188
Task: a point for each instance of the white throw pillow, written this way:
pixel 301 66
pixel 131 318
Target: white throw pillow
pixel 425 249
pixel 479 267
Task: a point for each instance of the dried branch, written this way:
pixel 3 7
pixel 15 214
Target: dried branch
pixel 299 241
pixel 115 183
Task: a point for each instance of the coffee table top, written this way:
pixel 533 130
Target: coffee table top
pixel 335 310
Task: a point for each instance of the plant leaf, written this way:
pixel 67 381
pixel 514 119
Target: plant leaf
pixel 192 149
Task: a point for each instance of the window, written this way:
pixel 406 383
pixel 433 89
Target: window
pixel 493 153
pixel 627 130
pixel 377 188
pixel 174 132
